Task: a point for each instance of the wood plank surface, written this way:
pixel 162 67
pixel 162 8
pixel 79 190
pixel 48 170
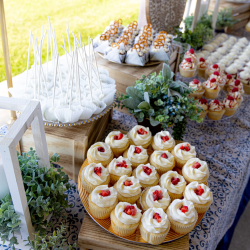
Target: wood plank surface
pixel 237 25
pixel 237 8
pixel 94 237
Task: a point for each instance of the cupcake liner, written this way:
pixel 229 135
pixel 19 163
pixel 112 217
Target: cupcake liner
pixel 215 115
pixel 179 227
pixel 197 95
pixel 188 180
pixel 144 185
pixel 142 200
pixel 160 149
pixel 130 200
pixel 179 163
pixel 187 73
pixel 161 170
pixel 153 238
pixel 203 114
pixel 202 72
pixel 115 178
pixel 211 93
pixel 134 164
pixel 104 163
pixel 230 112
pixel 175 196
pixel 119 151
pixel 101 212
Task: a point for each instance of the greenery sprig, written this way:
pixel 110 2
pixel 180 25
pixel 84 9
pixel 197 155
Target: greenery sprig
pixel 225 18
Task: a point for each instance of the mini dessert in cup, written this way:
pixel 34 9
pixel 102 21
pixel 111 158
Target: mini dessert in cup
pixel 229 79
pixel 118 167
pixel 211 69
pixel 94 175
pixel 187 68
pixel 154 226
pixel 219 78
pixel 204 105
pixel 163 141
pixel 156 196
pixel 163 161
pixel 182 153
pixel 237 95
pixel 118 142
pixel 195 170
pixel 197 88
pixel 244 77
pixel 200 195
pixel 137 155
pixel 182 216
pixel 202 66
pixel 174 183
pixel 231 70
pixel 125 218
pixel 191 54
pixel 216 110
pixel 100 152
pixel 212 88
pixel 140 136
pixel 231 105
pixel 128 189
pixel 102 201
pixel 236 84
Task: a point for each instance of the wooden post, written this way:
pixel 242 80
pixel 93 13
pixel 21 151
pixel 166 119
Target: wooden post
pixel 196 14
pixel 215 14
pixel 6 54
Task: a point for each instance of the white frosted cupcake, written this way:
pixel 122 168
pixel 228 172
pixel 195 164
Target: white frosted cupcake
pixel 118 142
pixel 154 226
pixel 182 216
pixel 118 167
pixel 163 161
pixel 140 136
pixel 216 110
pixel 100 152
pixel 125 218
pixel 237 95
pixel 128 189
pixel 174 183
pixel 102 201
pixel 137 155
pixel 231 105
pixel 212 88
pixel 200 195
pixel 236 84
pixel 147 175
pixel 163 141
pixel 94 175
pixel 202 103
pixel 197 89
pixel 195 170
pixel 182 153
pixel 156 196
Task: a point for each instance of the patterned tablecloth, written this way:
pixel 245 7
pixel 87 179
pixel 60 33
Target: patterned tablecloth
pixel 225 145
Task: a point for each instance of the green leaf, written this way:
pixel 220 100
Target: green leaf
pixel 166 71
pixel 146 97
pixel 144 106
pixel 134 93
pixel 39 189
pixel 153 122
pixel 55 158
pixel 131 103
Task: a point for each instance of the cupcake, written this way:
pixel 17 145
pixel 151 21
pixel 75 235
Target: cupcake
pixel 216 110
pixel 191 54
pixel 219 78
pixel 231 70
pixel 94 175
pixel 174 183
pixel 182 153
pixel 154 226
pixel 244 76
pixel 197 89
pixel 212 88
pixel 187 68
pixel 128 189
pixel 200 195
pixel 195 170
pixel 118 167
pixel 156 196
pixel 100 152
pixel 137 155
pixel 231 105
pixel 182 216
pixel 125 218
pixel 147 175
pixel 211 69
pixel 163 141
pixel 202 66
pixel 102 201
pixel 229 80
pixel 236 84
pixel 163 161
pixel 140 136
pixel 118 142
pixel 237 95
pixel 204 105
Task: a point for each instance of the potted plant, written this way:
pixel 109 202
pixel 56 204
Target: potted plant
pixel 225 19
pixel 158 102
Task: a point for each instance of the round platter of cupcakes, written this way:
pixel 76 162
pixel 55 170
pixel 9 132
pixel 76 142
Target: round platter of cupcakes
pixel 144 188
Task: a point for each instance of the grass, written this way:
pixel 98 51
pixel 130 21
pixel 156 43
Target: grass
pixel 90 17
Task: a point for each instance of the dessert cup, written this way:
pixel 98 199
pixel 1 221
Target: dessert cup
pixel 203 114
pixel 230 111
pixel 197 95
pixel 187 73
pixel 215 115
pixel 202 72
pixel 211 93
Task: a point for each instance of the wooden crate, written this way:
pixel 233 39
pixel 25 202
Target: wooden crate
pixel 92 236
pixel 71 143
pixel 127 75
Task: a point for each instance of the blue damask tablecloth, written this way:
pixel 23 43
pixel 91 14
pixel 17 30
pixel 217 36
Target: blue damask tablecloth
pixel 225 145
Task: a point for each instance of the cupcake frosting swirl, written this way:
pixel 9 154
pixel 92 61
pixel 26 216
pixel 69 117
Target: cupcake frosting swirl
pixel 98 155
pixel 215 105
pixel 166 182
pixel 164 144
pixel 92 177
pixel 143 177
pixel 196 173
pixel 237 95
pixel 190 194
pixel 151 224
pixel 137 138
pixel 186 65
pixel 183 154
pixel 161 203
pixel 176 213
pixel 230 102
pixel 197 87
pixel 211 84
pixel 115 168
pixel 110 140
pixel 128 191
pixel 104 201
pixel 141 157
pixel 163 162
pixel 125 218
